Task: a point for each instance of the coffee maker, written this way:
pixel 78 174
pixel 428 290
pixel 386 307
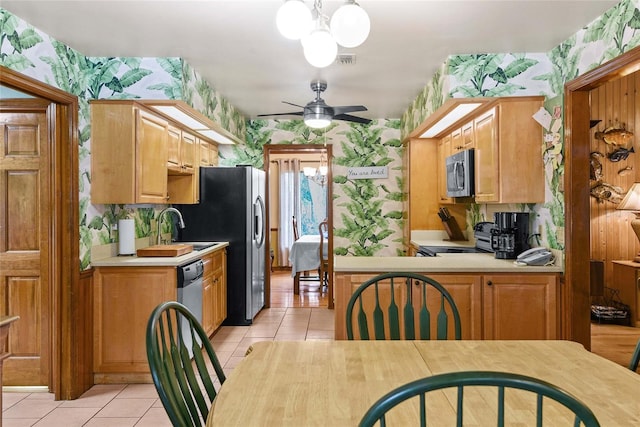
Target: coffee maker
pixel 510 236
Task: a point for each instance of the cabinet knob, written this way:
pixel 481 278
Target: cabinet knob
pixel 489 283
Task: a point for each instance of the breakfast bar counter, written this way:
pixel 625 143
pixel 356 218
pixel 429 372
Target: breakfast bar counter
pixel 443 263
pixel 496 298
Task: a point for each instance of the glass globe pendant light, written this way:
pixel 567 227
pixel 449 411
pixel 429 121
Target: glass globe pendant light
pixel 320 49
pixel 293 19
pixel 350 24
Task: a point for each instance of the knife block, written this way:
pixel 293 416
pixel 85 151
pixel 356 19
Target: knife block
pixel 453 229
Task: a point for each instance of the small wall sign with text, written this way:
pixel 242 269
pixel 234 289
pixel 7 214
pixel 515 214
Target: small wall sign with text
pixel 368 172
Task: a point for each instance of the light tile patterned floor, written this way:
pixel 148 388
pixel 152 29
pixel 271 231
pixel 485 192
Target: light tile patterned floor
pixel 138 404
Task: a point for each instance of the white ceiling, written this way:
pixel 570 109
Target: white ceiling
pixel 236 47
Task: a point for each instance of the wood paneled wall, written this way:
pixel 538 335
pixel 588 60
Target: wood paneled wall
pixel 615 103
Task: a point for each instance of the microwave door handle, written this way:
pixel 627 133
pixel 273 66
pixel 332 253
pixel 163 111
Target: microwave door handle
pixel 457 175
pixel 461 184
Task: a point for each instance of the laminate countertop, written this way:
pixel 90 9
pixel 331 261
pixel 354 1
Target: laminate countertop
pixel 443 263
pixel 136 261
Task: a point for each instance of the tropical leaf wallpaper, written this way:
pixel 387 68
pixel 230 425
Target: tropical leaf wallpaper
pixel 510 74
pixel 31 52
pixel 368 215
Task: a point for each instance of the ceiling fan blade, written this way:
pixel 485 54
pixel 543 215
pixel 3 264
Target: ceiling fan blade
pixel 348 109
pixel 295 113
pixel 291 103
pixel 350 118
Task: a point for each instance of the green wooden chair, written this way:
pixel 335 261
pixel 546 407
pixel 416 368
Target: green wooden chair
pixel 635 358
pixel 185 386
pixel 408 302
pixel 460 380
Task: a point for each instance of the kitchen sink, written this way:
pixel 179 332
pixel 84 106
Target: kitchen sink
pixel 198 246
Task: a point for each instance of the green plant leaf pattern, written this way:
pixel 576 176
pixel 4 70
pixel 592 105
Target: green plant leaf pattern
pixel 368 214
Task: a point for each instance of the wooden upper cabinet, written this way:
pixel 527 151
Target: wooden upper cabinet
pixel 486 157
pixel 444 151
pixel 508 153
pixel 182 151
pixel 128 154
pixel 140 156
pixel 208 153
pixel 189 144
pixel 468 137
pixel 173 148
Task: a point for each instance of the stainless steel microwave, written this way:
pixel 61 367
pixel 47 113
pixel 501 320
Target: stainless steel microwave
pixel 460 174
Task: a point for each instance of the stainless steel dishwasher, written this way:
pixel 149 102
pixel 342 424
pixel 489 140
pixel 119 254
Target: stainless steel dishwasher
pixel 190 295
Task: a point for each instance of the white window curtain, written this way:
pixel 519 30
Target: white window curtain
pixel 289 196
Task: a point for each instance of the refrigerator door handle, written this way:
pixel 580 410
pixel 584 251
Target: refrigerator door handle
pixel 258 217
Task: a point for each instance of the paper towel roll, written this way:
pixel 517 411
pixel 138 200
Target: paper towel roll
pixel 126 237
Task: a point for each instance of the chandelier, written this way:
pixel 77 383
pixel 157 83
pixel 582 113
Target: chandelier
pixel 319 175
pixel 349 27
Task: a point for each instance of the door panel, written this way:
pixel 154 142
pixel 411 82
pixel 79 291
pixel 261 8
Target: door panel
pixel 25 216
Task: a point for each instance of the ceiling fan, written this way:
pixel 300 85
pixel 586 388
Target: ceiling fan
pixel 317 114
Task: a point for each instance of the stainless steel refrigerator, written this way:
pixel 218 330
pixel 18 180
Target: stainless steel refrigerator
pixel 232 209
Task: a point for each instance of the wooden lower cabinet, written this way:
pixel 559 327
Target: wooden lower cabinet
pixel 521 307
pixel 214 293
pixel 124 298
pixel 496 306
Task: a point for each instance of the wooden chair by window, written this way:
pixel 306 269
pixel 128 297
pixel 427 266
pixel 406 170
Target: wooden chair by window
pixel 186 393
pixel 323 271
pixel 635 358
pixel 390 290
pixel 294 222
pixel 502 381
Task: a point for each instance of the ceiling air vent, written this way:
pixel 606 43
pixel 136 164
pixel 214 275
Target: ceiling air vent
pixel 346 59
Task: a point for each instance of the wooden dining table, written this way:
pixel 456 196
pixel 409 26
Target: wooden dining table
pixel 333 383
pixel 304 256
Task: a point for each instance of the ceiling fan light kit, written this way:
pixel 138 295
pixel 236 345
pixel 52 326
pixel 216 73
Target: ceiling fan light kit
pixel 317 114
pixel 350 26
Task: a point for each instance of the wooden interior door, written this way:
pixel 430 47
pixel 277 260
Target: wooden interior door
pixel 25 239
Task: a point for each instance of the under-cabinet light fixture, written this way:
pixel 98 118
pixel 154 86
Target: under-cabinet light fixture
pixel 452 116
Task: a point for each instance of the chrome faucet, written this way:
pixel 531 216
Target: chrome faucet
pixel 174 210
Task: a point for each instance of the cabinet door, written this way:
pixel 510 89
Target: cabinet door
pixel 207 294
pixel 124 298
pixel 205 159
pixel 466 291
pixel 486 157
pixel 444 151
pixel 456 141
pixel 213 154
pixel 207 306
pixel 219 286
pixel 468 139
pixel 521 307
pixel 173 148
pixel 187 152
pixel 151 152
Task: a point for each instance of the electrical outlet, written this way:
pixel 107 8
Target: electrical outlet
pixel 540 229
